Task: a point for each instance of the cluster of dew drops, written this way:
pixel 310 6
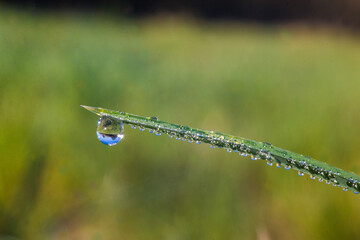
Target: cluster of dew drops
pixel 111 131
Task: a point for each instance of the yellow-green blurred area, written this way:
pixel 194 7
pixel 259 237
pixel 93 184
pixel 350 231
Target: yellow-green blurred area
pixel 295 86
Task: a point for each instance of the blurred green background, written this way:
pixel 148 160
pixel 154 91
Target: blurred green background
pixel 296 86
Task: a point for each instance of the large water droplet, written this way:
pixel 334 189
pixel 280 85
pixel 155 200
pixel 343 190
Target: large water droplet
pixel 109 131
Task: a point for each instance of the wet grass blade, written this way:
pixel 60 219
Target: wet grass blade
pixel 257 150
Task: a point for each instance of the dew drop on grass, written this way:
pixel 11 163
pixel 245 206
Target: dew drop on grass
pixel 109 131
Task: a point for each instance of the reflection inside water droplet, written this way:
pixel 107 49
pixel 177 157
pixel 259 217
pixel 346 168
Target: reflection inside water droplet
pixel 109 131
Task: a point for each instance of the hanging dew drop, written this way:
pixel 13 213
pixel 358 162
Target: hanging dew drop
pixel 109 131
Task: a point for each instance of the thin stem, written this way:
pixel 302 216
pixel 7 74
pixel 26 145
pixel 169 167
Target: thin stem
pixel 257 150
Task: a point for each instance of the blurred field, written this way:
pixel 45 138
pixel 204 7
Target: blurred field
pixel 296 87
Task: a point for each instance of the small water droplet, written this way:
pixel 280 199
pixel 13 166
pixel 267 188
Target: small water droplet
pixel 254 158
pixel 228 150
pixel 287 167
pixel 133 126
pixel 268 144
pixel 350 182
pixel 198 142
pixel 151 130
pixel 154 118
pixel 242 154
pixel 141 128
pixel 212 146
pixel 177 138
pixel 345 189
pixel 300 173
pixel 269 163
pixel 190 141
pixel 264 154
pixel 327 182
pixel 183 139
pixel 278 165
pixel 356 192
pixel 170 136
pixel 320 180
pixel 109 131
pixel 312 177
pixel 158 133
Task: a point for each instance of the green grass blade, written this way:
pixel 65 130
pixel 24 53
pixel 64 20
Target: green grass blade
pixel 257 150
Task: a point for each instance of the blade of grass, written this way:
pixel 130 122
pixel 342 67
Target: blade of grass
pixel 257 150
